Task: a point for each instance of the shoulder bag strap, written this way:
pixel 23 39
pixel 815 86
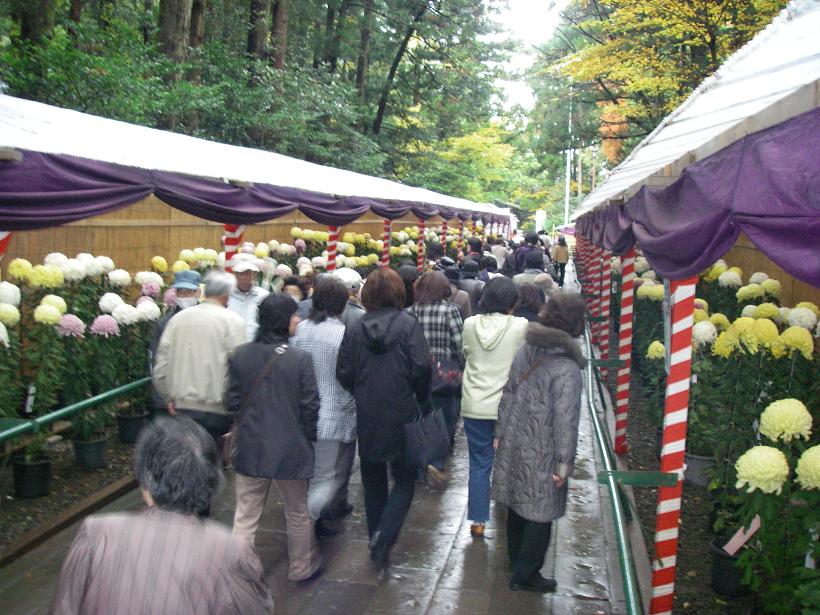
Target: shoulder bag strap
pixel 278 352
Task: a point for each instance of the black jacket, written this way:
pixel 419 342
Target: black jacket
pixel 384 361
pixel 473 288
pixel 276 435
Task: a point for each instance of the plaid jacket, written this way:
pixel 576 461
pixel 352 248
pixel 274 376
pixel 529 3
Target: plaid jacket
pixel 337 410
pixel 442 326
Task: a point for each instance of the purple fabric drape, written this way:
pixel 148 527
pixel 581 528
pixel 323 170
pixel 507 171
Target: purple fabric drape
pixel 766 185
pixel 48 190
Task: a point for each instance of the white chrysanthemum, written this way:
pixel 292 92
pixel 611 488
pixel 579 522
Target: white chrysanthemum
pixel 302 261
pixel 283 271
pixel 200 255
pixel 748 311
pixel 9 293
pixel 402 237
pixel 273 244
pixel 148 310
pixel 105 264
pixel 802 317
pixel 762 467
pixel 758 277
pixel 782 315
pixel 808 468
pixel 730 279
pixel 93 267
pixel 4 336
pixel 109 301
pixel 143 277
pixel 785 419
pixel 220 260
pixel 649 275
pixel 211 255
pixel 615 264
pixel 126 314
pixel 119 278
pixel 704 333
pixel 641 265
pixel 318 262
pixel 187 256
pixel 305 270
pixel 55 258
pixel 73 270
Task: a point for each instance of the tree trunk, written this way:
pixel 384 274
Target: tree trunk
pixel 105 11
pixel 175 28
pixel 75 11
pixel 197 36
pixel 363 60
pixel 36 18
pixel 258 28
pixel 280 33
pixel 147 20
pixel 391 75
pixel 335 36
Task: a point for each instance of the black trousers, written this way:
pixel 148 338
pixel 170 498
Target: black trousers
pixel 386 508
pixel 217 425
pixel 561 270
pixel 527 544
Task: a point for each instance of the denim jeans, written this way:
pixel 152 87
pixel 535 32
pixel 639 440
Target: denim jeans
pixel 449 407
pixel 480 434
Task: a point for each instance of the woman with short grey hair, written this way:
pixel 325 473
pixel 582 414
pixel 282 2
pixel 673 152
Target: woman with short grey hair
pixel 166 559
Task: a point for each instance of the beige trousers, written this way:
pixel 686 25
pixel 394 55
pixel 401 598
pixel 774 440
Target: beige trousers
pixel 251 495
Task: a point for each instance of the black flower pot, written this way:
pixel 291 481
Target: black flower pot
pixel 91 454
pixel 130 426
pixel 697 467
pixel 726 575
pixel 31 479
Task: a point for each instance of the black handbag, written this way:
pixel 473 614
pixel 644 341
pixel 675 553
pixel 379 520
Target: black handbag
pixel 446 377
pixel 426 439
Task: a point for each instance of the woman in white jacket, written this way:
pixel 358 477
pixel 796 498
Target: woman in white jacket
pixel 491 341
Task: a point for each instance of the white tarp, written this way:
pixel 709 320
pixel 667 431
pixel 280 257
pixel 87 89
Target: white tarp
pixel 770 79
pixel 43 128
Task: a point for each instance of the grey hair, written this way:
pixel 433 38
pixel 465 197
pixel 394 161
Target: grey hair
pixel 177 462
pixel 219 283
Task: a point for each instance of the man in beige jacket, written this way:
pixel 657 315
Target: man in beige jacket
pixel 191 369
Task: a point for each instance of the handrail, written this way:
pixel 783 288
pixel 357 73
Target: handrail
pixel 632 594
pixel 35 424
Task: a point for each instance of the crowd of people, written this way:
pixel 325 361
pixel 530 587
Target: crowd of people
pixel 286 385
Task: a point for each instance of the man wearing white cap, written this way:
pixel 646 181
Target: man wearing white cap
pixel 247 296
pixel 353 283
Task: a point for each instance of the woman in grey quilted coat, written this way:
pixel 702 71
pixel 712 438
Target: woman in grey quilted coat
pixel 536 433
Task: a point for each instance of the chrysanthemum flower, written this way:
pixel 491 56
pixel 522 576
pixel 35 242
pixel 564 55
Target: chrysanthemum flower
pixel 70 326
pixel 715 271
pixel 750 291
pixel 762 467
pixel 126 314
pixel 180 265
pixel 150 289
pixel 169 297
pixel 301 246
pixel 4 336
pixel 9 314
pixel 283 271
pixel 147 310
pixel 105 325
pixel 800 339
pixel 808 468
pixel 771 287
pixel 144 277
pixel 159 264
pixel 262 250
pixel 55 301
pixel 726 343
pixel 656 350
pixel 704 333
pixel 763 333
pixel 9 293
pixel 296 232
pixel 187 256
pixel 729 279
pixel 105 264
pixel 809 306
pixel 785 419
pixel 109 301
pixel 758 277
pixel 748 311
pixel 736 270
pixel 119 278
pixel 73 270
pixel 701 304
pixel 47 314
pixel 720 321
pixel 20 269
pixel 46 276
pixel 55 258
pixel 802 317
pixel 766 310
pixel 700 315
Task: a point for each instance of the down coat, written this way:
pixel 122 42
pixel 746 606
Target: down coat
pixel 538 424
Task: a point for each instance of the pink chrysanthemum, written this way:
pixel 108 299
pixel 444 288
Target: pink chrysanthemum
pixel 70 326
pixel 105 325
pixel 169 298
pixel 300 245
pixel 150 289
pixel 143 299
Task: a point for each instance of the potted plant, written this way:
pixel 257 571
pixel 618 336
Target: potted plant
pixel 32 469
pixel 90 439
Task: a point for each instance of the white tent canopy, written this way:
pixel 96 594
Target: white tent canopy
pixel 771 79
pixel 46 129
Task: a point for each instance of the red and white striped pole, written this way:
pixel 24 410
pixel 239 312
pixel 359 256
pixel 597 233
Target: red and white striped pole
pixel 5 239
pixel 385 243
pixel 606 292
pixel 231 240
pixel 675 415
pixel 624 351
pixel 333 238
pixel 444 235
pixel 420 246
pixel 592 275
pixel 460 243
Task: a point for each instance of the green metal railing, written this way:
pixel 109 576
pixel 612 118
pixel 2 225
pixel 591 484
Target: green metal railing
pixel 14 428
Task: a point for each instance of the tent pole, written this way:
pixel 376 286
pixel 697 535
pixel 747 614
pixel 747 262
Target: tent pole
pixel 333 237
pixel 5 239
pixel 624 351
pixel 231 241
pixel 420 246
pixel 674 444
pixel 385 243
pixel 606 291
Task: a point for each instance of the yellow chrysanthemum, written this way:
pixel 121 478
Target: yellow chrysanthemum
pixel 350 250
pixel 798 338
pixel 743 325
pixel 701 315
pixel 349 237
pixel 763 333
pixel 180 266
pixel 20 269
pixel 653 292
pixel 771 287
pixel 46 276
pixel 9 314
pixel 785 419
pixel 362 261
pixel 762 467
pixel 766 310
pixel 808 468
pixel 736 270
pixel 372 258
pixel 159 264
pixel 55 301
pixel 720 321
pixel 47 314
pixel 750 291
pixel 809 306
pixel 656 350
pixel 187 256
pixel 713 273
pixel 262 250
pixel 725 344
pixel 702 304
pixel 308 234
pixel 296 232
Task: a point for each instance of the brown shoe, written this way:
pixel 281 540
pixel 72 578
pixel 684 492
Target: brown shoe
pixel 477 530
pixel 436 478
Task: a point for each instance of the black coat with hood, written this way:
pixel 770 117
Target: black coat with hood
pixel 384 361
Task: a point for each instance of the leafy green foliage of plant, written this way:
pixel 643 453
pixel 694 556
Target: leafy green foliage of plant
pixel 11 394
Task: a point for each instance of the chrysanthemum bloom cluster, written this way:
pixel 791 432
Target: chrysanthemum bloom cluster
pixel 802 317
pixel 109 301
pixel 748 292
pixel 700 315
pixel 180 265
pixel 119 278
pixel 729 279
pixel 73 270
pixel 736 270
pixel 720 321
pixel 809 306
pixel 46 276
pixel 169 297
pixel 9 293
pixel 47 314
pixel 726 343
pixel 758 277
pixel 187 256
pixel 704 333
pixel 9 314
pixel 262 250
pixel 656 350
pixel 126 314
pixel 651 291
pixel 762 333
pixel 641 265
pixel 319 262
pixel 283 271
pixel 649 275
pixel 56 301
pixel 105 325
pixel 785 419
pixel 762 467
pixel 20 269
pixel 808 468
pixel 150 289
pixel 4 336
pixel 55 258
pixel 615 264
pixel 159 264
pixel 714 272
pixel 799 339
pixel 93 266
pixel 701 304
pixel 766 310
pixel 144 277
pixel 70 326
pixel 771 287
pixel 743 325
pixel 148 310
pixel 782 315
